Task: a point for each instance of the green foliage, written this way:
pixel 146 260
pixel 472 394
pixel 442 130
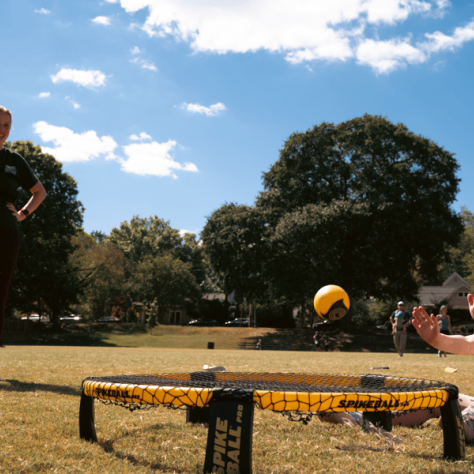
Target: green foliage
pixel 274 316
pixel 234 241
pixel 165 281
pixel 153 237
pixel 360 314
pixel 160 264
pixel 101 267
pixel 151 317
pixel 357 204
pixel 44 277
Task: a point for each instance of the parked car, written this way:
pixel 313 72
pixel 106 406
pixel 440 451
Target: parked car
pixel 203 322
pixel 238 322
pixel 72 318
pixel 37 318
pixel 109 319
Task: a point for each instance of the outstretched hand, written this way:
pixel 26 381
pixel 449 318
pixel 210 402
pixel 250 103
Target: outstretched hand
pixel 426 326
pixel 470 300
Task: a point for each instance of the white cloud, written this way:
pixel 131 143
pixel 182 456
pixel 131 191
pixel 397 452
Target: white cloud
pixel 304 31
pixel 440 42
pixel 70 146
pixel 386 56
pixel 211 111
pixel 144 64
pixel 135 50
pixel 102 20
pixel 183 232
pixel 43 95
pixel 153 159
pixel 43 11
pixel 76 105
pixel 112 1
pixel 142 136
pixel 80 77
pixel 148 65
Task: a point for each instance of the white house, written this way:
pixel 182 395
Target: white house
pixel 452 293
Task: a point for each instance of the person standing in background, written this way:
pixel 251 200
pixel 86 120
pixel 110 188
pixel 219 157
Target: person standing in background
pixel 444 325
pixel 400 319
pixel 317 341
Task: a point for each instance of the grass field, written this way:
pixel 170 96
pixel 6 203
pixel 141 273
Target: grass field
pixel 39 403
pixel 175 337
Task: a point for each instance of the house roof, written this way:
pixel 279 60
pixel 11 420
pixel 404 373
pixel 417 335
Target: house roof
pixel 433 295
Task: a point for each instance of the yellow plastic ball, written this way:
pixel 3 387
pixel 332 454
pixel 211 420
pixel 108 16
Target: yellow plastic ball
pixel 331 302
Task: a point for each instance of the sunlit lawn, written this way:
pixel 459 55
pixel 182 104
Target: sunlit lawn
pixel 39 403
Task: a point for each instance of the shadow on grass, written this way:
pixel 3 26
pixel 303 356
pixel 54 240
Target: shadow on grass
pixel 108 447
pixel 46 336
pixel 89 335
pixel 364 341
pixel 16 386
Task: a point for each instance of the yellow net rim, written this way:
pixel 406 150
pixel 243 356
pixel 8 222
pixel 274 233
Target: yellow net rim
pixel 397 393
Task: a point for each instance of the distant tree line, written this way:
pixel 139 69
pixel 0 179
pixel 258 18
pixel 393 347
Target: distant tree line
pixel 365 204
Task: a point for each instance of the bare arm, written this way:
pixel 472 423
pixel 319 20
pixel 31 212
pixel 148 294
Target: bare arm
pixel 38 195
pixel 428 329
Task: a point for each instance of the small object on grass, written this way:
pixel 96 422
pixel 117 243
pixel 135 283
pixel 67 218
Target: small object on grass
pixel 372 368
pixel 213 368
pixel 450 370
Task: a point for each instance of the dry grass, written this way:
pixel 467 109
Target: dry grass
pixel 39 404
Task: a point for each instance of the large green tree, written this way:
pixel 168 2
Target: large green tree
pixel 101 269
pixel 365 204
pixel 234 239
pixel 153 237
pixel 44 277
pixel 164 282
pixel 151 242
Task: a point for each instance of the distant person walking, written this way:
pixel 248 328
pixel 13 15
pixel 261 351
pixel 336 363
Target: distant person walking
pixel 317 341
pixel 444 322
pixel 14 173
pixel 400 320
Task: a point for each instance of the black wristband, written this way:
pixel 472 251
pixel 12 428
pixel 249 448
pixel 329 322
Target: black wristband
pixel 25 212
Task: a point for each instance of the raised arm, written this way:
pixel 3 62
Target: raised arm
pixel 428 328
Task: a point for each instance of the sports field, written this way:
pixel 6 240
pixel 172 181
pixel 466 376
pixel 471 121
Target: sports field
pixel 39 404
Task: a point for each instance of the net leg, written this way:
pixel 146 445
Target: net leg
pixel 197 415
pixel 229 440
pixel 86 419
pixel 378 419
pixel 453 431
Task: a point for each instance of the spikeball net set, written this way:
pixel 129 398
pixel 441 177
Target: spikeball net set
pixel 230 399
pixel 278 392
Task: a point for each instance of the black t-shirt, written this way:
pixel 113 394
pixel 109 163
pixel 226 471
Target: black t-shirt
pixel 14 173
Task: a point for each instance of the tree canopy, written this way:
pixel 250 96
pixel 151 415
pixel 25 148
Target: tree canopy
pixel 162 267
pixel 365 204
pixel 101 269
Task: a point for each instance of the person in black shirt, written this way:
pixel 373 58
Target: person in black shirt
pixel 14 173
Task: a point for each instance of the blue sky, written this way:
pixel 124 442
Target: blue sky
pixel 173 108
